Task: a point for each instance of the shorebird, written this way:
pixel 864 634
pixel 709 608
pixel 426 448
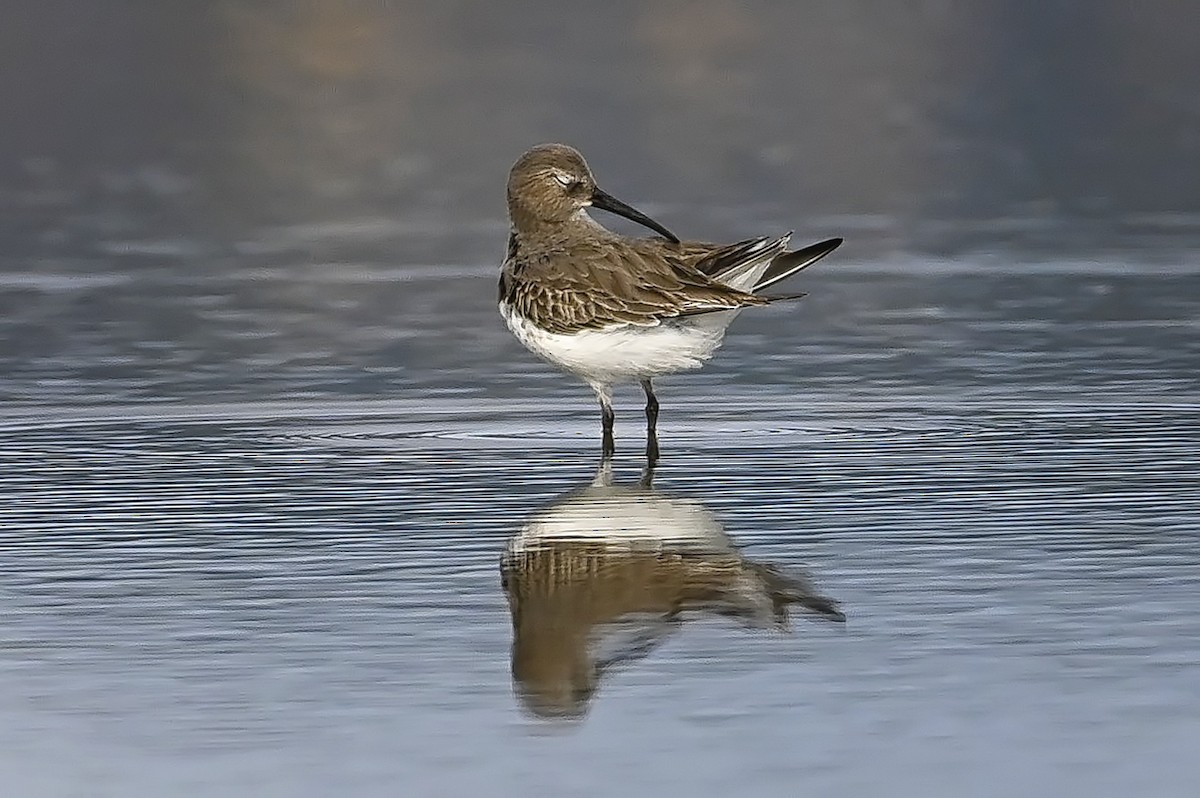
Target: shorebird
pixel 613 309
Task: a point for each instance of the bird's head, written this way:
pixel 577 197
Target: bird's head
pixel 552 185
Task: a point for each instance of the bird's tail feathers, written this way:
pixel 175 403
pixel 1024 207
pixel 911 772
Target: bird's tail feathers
pixel 788 263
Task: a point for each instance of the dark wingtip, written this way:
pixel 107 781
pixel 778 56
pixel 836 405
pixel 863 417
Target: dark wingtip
pixel 792 588
pixel 787 264
pixel 832 243
pixel 783 298
pixel 826 607
pixel 823 607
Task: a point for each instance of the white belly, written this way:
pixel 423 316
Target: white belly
pixel 628 352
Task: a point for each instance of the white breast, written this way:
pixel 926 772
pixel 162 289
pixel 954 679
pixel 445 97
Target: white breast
pixel 627 352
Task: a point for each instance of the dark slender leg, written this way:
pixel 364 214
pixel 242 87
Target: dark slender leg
pixel 651 406
pixel 607 447
pixel 651 425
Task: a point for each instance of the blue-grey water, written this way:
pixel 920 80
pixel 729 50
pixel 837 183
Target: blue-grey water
pixel 271 467
pixel 230 566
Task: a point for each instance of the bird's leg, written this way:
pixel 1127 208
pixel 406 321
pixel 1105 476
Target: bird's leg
pixel 651 425
pixel 651 407
pixel 607 447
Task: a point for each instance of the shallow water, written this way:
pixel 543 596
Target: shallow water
pixel 253 523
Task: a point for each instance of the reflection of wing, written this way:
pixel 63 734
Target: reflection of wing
pixel 794 588
pixel 630 638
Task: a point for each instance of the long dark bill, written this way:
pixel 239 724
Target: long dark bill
pixel 607 202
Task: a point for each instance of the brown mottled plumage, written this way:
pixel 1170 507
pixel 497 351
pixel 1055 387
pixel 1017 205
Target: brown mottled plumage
pixel 611 308
pixel 626 281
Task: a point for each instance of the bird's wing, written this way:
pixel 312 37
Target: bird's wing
pixel 756 263
pixel 602 283
pixel 733 264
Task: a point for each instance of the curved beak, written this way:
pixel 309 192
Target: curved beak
pixel 607 202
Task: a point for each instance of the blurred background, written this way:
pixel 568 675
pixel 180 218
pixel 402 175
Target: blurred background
pixel 180 130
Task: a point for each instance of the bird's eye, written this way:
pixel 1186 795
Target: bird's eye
pixel 564 179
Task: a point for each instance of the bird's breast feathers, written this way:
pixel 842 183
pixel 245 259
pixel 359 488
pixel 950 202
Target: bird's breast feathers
pixel 623 352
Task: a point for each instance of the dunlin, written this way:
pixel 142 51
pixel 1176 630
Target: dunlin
pixel 613 309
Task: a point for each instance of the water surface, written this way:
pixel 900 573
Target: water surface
pixel 253 526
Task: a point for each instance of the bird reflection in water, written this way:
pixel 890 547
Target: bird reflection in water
pixel 608 572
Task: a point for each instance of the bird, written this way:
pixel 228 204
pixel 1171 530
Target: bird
pixel 614 309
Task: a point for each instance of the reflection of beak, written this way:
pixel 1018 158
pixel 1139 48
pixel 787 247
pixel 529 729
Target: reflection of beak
pixel 607 202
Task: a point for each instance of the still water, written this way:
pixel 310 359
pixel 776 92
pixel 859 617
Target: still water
pixel 314 530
